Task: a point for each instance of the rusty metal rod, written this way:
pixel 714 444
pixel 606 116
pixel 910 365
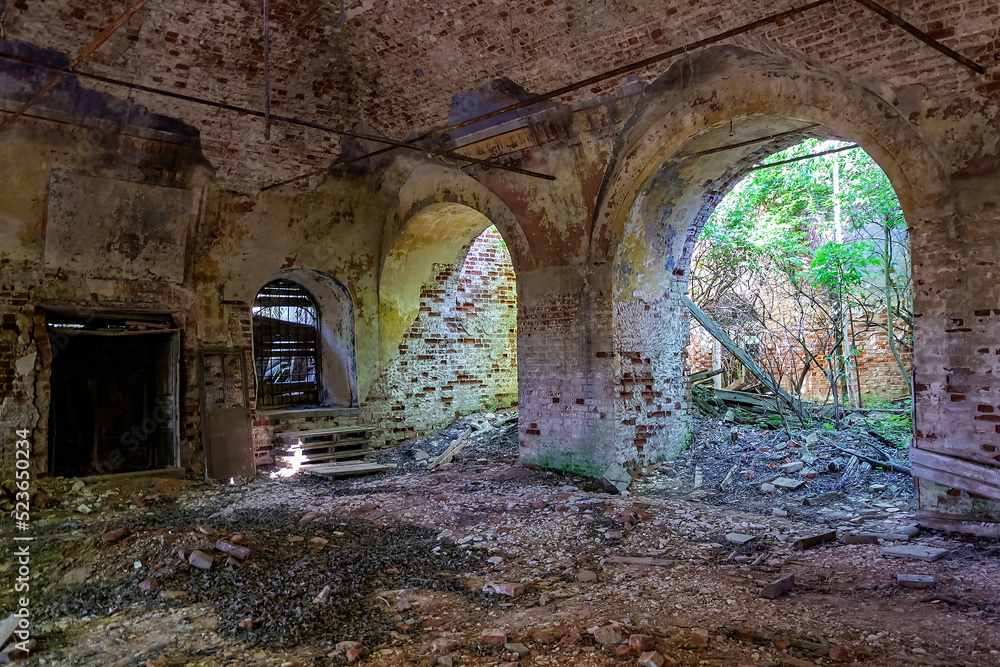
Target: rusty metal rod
pixel 748 142
pixel 294 179
pixel 267 73
pixel 83 55
pixel 260 114
pixel 617 71
pixel 900 22
pixel 768 165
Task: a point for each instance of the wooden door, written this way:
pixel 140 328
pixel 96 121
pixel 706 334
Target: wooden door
pixel 226 430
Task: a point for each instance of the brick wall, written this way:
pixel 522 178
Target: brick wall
pixel 566 373
pixel 459 354
pixel 879 372
pixel 397 66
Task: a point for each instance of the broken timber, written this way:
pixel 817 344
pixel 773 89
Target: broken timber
pixel 453 449
pixel 956 473
pixel 744 358
pixel 704 375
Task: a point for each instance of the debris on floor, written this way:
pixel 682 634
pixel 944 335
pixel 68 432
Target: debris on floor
pixel 484 561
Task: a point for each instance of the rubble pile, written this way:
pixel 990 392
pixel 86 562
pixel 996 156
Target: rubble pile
pixel 484 561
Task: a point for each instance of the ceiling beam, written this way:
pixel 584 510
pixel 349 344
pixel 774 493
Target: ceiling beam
pixel 617 71
pixel 748 142
pixel 768 165
pixel 900 22
pixel 283 119
pixel 84 54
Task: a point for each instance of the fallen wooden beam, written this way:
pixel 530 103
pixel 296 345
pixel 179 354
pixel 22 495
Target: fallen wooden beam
pixel 704 375
pixel 888 465
pixel 744 358
pixel 453 449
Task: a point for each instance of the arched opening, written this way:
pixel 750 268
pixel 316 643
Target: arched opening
pixel 805 265
pixel 692 142
pixel 448 342
pixel 654 256
pixel 303 343
pixel 286 345
pixel 807 260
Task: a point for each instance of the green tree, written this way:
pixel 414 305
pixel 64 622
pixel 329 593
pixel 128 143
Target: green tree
pixel 794 250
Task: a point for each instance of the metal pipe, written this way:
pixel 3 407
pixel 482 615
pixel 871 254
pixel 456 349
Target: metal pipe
pixel 900 22
pixel 748 142
pixel 617 71
pixel 802 157
pixel 83 55
pixel 267 74
pixel 283 119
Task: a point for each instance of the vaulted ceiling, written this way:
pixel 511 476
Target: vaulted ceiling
pixel 401 67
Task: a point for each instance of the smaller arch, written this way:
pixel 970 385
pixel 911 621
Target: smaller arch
pixel 334 365
pixel 424 184
pixel 433 236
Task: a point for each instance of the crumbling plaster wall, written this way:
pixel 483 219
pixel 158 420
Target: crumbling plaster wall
pixel 588 249
pixel 953 224
pixel 459 353
pixel 53 173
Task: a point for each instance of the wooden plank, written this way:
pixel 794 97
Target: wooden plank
pixel 956 473
pixel 767 402
pixel 956 481
pixel 804 543
pixel 951 523
pixel 329 456
pixel 704 375
pixel 744 357
pixel 453 449
pixel 324 431
pixel 326 445
pixel 338 469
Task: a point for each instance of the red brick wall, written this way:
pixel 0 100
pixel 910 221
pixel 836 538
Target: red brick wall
pixel 459 354
pixel 879 372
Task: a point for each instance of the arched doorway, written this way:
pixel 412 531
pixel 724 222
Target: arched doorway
pixel 685 150
pixel 448 325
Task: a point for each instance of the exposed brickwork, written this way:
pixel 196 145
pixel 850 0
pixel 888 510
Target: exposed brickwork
pixel 877 368
pixel 459 354
pixel 396 66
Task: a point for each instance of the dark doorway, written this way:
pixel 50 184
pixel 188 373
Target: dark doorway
pixel 112 407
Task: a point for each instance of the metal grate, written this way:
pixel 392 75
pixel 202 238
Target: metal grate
pixel 285 350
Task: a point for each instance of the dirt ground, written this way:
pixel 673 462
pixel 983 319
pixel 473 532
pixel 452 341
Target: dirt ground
pixel 398 562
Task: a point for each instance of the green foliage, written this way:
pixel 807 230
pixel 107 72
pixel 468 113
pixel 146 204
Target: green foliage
pixel 831 232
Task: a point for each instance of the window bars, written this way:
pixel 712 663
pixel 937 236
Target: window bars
pixel 286 352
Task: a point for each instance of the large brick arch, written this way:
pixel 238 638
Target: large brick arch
pixel 654 202
pixel 738 83
pixel 439 212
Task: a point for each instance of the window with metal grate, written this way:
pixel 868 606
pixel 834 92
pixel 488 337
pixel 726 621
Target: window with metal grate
pixel 286 351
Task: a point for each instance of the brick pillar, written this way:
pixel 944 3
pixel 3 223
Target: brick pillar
pixel 565 372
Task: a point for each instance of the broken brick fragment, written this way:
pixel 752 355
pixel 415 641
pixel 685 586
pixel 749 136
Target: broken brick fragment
pixel 111 535
pixel 841 654
pixel 200 559
pixel 699 638
pixel 232 549
pixel 651 659
pixel 510 589
pixel 642 643
pixel 493 637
